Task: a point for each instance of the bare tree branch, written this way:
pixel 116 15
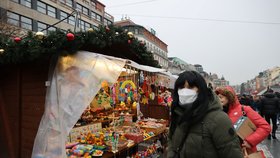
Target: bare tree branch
pixel 7 29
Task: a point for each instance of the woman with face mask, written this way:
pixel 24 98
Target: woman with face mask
pixel 199 128
pixel 233 108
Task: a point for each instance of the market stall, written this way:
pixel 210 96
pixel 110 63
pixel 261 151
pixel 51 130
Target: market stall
pixel 97 95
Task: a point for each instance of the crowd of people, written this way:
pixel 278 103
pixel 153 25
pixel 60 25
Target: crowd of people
pixel 267 105
pixel 202 120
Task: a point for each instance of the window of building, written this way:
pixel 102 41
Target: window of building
pixel 51 29
pixel 26 3
pixel 19 20
pixel 85 11
pixel 136 31
pixel 69 3
pixel 87 26
pixel 98 17
pixel 93 15
pixel 82 9
pixel 63 15
pixel 41 7
pixel 43 26
pixel 13 19
pixel 17 1
pixel 51 11
pixel 95 27
pixel 82 24
pixel 105 22
pixel 79 7
pixel 71 20
pixel 26 23
pixel 46 9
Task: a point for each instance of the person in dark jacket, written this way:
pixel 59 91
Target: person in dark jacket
pixel 270 107
pixel 199 128
pixel 278 115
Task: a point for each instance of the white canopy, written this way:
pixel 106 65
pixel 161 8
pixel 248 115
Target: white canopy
pixel 74 83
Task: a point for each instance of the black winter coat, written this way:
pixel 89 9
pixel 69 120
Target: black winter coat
pixel 269 104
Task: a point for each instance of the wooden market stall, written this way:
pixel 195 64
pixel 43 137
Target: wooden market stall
pixel 22 97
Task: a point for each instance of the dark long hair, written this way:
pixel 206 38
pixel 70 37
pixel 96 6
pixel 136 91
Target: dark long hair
pixel 200 105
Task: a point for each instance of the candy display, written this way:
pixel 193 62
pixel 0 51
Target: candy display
pixel 81 150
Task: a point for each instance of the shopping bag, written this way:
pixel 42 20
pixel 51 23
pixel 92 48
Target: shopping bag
pixel 257 154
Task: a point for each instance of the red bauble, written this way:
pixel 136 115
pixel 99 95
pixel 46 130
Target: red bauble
pixel 129 41
pixel 70 36
pixel 17 39
pixel 107 29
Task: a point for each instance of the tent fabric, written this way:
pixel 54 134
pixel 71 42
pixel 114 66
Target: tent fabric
pixel 144 67
pixel 75 81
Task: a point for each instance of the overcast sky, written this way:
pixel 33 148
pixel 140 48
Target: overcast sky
pixel 233 38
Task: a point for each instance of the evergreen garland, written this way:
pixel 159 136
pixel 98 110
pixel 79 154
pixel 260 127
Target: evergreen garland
pixel 111 40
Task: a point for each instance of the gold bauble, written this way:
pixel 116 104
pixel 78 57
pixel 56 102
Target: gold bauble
pixel 130 34
pixel 39 35
pixel 2 51
pixel 90 30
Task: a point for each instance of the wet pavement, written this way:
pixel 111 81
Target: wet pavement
pixel 271 147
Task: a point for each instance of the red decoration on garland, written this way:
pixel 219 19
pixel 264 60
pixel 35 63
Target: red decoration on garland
pixel 142 43
pixel 70 36
pixel 107 29
pixel 17 39
pixel 129 41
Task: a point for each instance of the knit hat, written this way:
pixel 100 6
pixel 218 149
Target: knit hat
pixel 227 93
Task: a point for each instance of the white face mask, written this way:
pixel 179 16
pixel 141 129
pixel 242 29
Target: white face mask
pixel 186 96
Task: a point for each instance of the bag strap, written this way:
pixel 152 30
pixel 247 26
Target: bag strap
pixel 243 111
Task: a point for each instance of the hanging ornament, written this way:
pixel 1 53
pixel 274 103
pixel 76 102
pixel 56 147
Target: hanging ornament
pixel 107 29
pixel 130 34
pixel 90 30
pixel 17 39
pixel 117 33
pixel 142 43
pixel 129 41
pixel 2 51
pixel 39 35
pixel 70 36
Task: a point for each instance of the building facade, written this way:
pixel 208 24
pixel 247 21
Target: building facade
pixel 262 81
pixel 38 15
pixel 153 43
pixel 177 65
